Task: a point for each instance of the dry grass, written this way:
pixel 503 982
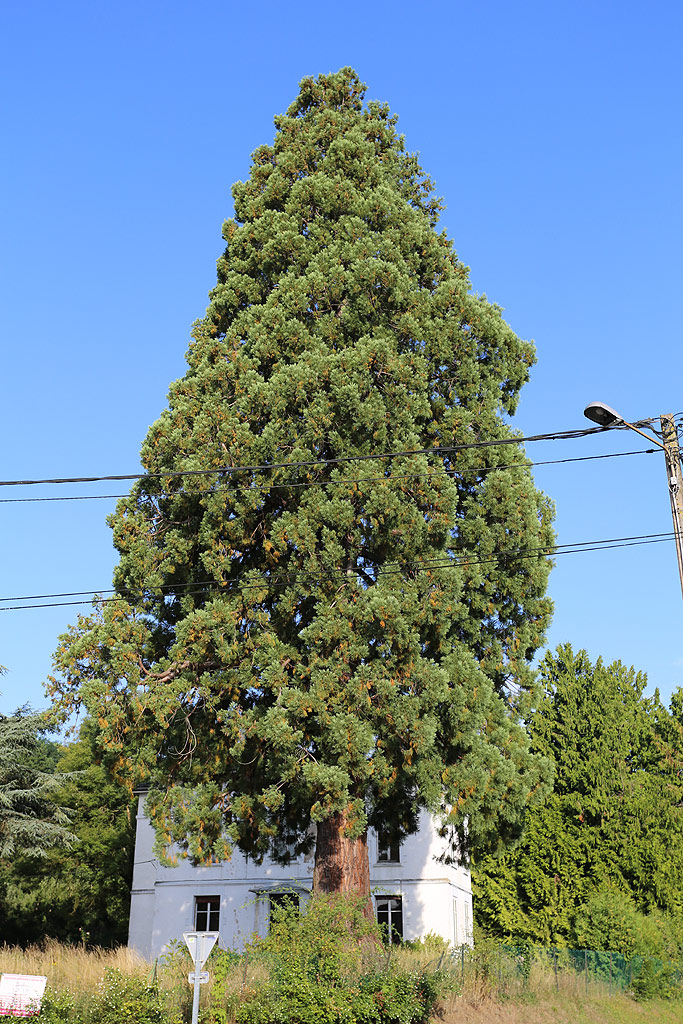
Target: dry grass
pixel 549 998
pixel 544 999
pixel 70 967
pixel 615 1009
pixel 79 970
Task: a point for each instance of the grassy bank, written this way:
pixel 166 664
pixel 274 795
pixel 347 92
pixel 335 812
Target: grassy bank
pixel 544 996
pixel 71 967
pixel 77 978
pixel 605 1009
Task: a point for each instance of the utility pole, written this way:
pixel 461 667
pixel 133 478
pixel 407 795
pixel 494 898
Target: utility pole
pixel 674 475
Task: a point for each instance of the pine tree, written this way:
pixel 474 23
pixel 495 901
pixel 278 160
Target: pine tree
pixel 339 638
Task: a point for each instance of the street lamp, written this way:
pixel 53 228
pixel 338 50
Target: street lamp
pixel 605 416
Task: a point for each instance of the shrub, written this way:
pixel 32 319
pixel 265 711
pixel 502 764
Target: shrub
pixel 126 999
pixel 323 969
pixel 609 919
pixel 655 978
pixel 402 997
pixel 429 943
pixel 59 1008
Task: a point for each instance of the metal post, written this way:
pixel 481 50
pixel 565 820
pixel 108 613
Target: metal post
pixel 585 967
pixel 195 997
pixel 674 476
pixel 557 980
pixel 462 963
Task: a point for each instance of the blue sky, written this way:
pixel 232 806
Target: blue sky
pixel 551 129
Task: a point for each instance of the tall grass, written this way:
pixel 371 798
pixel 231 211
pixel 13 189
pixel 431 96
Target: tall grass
pixel 72 967
pixel 492 984
pixel 479 988
pixel 504 983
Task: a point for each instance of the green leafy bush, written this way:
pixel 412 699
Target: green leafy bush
pixel 430 942
pixel 609 919
pixel 401 997
pixel 655 978
pixel 324 968
pixel 126 999
pixel 59 1008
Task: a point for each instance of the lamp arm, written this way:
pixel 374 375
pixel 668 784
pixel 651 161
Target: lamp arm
pixel 643 434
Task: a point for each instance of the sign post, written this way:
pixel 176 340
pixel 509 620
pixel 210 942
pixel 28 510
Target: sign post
pixel 200 945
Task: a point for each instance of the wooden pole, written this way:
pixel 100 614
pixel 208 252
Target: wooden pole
pixel 674 475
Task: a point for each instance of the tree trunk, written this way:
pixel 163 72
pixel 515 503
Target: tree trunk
pixel 341 864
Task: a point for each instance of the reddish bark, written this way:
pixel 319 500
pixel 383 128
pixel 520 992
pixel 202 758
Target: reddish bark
pixel 341 863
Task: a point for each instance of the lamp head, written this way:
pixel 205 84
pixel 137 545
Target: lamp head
pixel 602 414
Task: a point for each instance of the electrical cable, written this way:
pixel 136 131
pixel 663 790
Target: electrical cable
pixel 285 579
pixel 328 483
pixel 264 467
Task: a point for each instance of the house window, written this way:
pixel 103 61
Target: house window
pixel 207 911
pixel 288 900
pixel 388 850
pixel 389 911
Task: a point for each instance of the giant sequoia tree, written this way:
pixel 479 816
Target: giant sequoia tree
pixel 333 626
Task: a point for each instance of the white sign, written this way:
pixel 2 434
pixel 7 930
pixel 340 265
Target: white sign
pixel 203 977
pixel 21 994
pixel 200 945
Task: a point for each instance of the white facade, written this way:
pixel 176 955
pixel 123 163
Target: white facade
pixel 419 893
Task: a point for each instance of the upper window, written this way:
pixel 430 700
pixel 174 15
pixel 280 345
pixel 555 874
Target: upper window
pixel 207 912
pixel 388 850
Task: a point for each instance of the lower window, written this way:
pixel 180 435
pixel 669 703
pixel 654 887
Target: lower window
pixel 389 911
pixel 207 912
pixel 290 900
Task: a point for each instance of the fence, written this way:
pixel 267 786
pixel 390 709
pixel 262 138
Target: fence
pixel 507 970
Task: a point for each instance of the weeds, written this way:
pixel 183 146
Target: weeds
pixel 328 966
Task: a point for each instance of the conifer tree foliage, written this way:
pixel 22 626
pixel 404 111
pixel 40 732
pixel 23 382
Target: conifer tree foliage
pixel 614 821
pixel 31 821
pixel 82 893
pixel 338 638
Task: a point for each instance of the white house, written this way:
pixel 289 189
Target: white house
pixel 414 892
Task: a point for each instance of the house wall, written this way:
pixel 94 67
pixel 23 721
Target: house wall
pixel 436 897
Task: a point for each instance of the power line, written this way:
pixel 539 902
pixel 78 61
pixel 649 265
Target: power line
pixel 286 578
pixel 262 467
pixel 329 483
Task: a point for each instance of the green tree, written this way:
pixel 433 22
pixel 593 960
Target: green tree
pixel 82 893
pixel 338 637
pixel 609 919
pixel 31 820
pixel 614 821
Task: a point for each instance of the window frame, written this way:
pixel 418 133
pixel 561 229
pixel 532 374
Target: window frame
pixel 392 928
pixel 388 849
pixel 211 910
